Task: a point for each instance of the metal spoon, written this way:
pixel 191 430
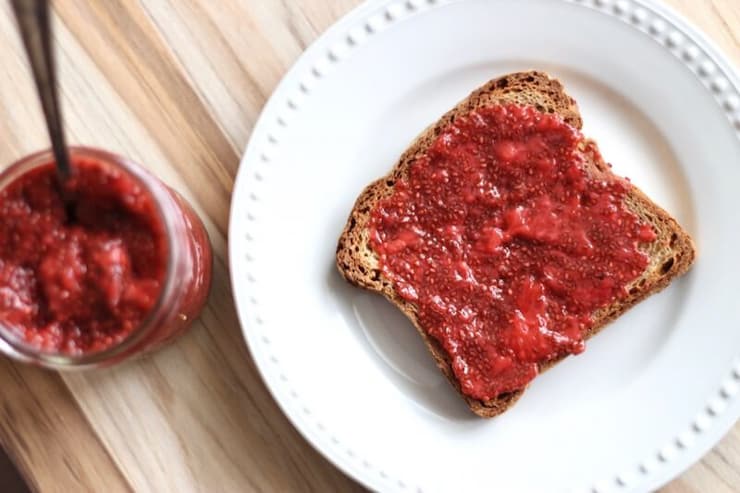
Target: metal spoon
pixel 35 28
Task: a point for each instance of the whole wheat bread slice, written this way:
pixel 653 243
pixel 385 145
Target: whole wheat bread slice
pixel 671 254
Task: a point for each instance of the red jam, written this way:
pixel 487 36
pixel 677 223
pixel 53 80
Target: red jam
pixel 506 245
pixel 82 284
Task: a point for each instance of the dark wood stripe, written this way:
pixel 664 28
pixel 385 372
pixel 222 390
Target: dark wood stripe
pixel 42 424
pixel 11 480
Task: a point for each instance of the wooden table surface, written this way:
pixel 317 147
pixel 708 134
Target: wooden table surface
pixel 178 85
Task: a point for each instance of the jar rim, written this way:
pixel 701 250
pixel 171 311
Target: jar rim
pixel 157 190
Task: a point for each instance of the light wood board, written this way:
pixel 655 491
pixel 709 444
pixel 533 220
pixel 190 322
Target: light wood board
pixel 178 85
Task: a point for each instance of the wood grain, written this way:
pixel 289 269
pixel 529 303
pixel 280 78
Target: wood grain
pixel 178 85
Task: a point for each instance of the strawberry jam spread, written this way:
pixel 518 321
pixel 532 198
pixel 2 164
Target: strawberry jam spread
pixel 506 245
pixel 78 285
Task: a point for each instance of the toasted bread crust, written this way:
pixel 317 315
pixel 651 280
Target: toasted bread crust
pixel 671 254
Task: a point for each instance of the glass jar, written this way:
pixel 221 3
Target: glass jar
pixel 185 280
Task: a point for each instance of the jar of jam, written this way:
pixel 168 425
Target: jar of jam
pixel 108 265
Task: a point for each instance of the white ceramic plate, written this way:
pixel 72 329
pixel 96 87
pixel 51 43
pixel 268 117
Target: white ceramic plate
pixel 651 394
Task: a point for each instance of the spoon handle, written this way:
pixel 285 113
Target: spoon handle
pixel 35 28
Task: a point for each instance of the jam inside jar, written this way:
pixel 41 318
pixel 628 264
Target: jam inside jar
pixel 108 265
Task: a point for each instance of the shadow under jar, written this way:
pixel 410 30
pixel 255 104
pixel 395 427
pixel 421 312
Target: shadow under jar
pixel 110 265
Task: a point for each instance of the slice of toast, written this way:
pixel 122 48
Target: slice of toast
pixel 670 254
